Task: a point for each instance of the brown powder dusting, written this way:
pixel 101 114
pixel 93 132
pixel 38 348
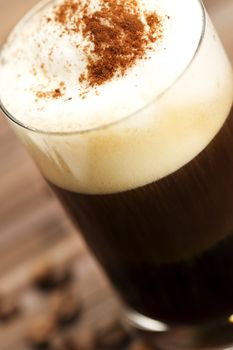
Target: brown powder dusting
pixel 53 94
pixel 34 71
pixel 81 78
pixel 153 22
pixel 117 44
pixel 43 68
pixel 56 93
pixel 42 94
pixel 61 12
pixel 118 34
pixel 62 85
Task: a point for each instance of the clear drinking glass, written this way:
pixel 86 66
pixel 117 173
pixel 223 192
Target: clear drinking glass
pixel 166 240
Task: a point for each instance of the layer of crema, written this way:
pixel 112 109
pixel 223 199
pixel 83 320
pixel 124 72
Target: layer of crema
pixel 150 144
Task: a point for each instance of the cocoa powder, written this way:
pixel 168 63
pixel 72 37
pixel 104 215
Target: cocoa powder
pixel 118 34
pixel 117 31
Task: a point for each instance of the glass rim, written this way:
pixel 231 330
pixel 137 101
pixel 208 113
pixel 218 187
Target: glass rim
pixel 16 121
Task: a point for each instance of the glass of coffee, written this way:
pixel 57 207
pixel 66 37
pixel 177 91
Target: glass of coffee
pixel 126 107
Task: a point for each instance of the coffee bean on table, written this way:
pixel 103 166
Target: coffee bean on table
pixel 139 344
pixel 81 341
pixel 112 337
pixel 41 333
pixel 8 308
pixel 48 277
pixel 68 309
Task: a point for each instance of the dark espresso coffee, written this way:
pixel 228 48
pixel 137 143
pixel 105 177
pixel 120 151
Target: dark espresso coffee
pixel 168 246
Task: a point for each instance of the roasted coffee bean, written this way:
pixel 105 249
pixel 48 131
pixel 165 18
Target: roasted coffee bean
pixel 112 337
pixel 41 334
pixel 67 308
pixel 139 344
pixel 8 309
pixel 49 277
pixel 81 341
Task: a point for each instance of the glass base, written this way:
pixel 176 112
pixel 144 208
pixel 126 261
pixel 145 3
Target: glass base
pixel 212 336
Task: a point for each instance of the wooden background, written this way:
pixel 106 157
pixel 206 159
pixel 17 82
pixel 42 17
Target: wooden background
pixel 33 227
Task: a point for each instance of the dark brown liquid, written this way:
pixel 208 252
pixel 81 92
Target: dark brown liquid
pixel 168 246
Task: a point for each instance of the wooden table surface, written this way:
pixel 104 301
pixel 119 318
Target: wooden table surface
pixel 33 226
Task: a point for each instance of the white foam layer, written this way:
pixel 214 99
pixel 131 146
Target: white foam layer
pixel 149 145
pixel 36 42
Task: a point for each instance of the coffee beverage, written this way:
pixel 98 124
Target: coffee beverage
pixel 167 246
pixel 126 108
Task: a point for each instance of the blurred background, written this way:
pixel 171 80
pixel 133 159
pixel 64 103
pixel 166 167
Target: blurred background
pixel 52 293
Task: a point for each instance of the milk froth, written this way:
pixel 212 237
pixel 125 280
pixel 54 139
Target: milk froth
pixel 131 130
